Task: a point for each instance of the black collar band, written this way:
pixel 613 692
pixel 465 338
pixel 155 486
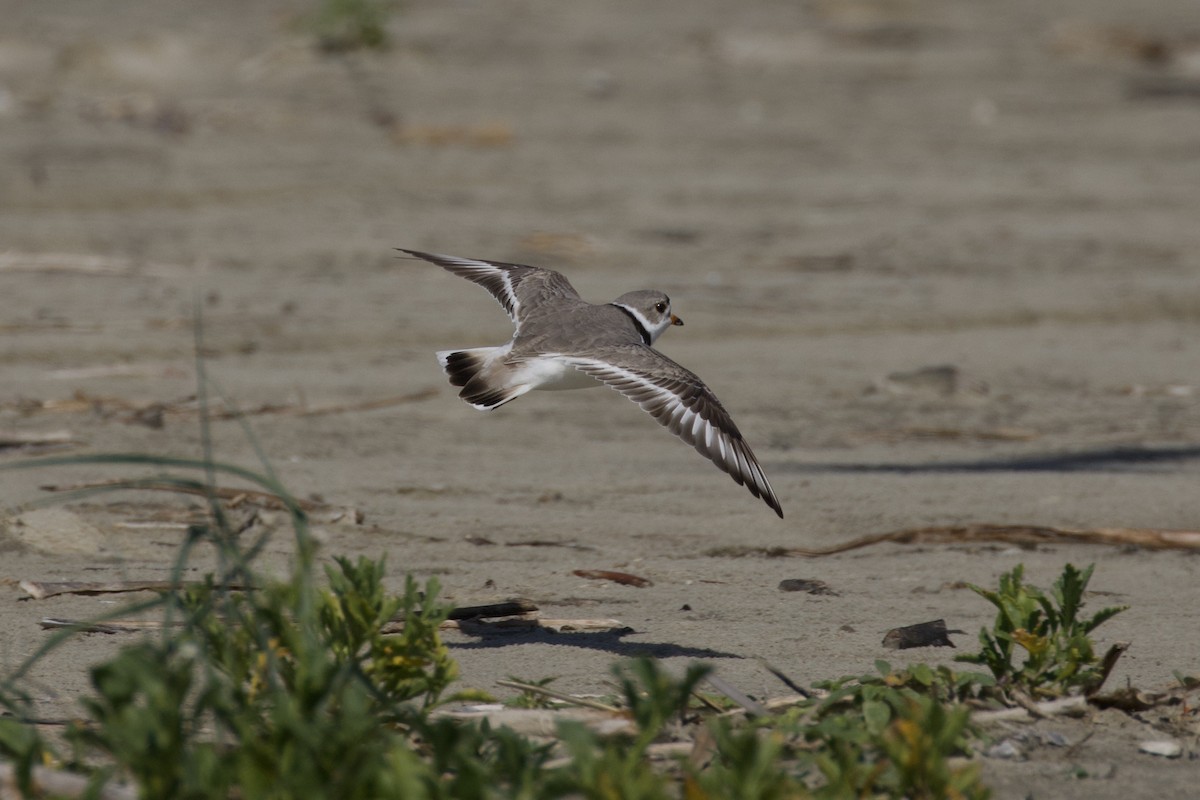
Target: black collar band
pixel 637 323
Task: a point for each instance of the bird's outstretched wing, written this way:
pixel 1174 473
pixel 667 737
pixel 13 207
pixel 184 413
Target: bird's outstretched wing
pixel 683 404
pixel 520 289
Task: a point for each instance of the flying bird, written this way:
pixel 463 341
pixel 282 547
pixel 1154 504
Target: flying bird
pixel 561 341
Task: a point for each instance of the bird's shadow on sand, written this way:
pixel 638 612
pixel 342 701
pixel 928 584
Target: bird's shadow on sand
pixel 604 641
pixel 1109 459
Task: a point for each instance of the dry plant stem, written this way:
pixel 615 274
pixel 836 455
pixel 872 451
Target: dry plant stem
pixel 545 723
pixel 112 626
pixel 1026 702
pixel 709 704
pixel 753 707
pixel 234 496
pixel 563 696
pixel 38 590
pixel 1149 538
pixel 523 624
pixel 509 608
pixel 503 625
pixel 623 578
pixel 787 681
pixel 1106 666
pixel 23 439
pixel 1068 706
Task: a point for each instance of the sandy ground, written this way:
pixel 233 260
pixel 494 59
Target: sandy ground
pixel 831 192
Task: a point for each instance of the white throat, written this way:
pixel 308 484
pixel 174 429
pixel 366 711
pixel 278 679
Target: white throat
pixel 650 330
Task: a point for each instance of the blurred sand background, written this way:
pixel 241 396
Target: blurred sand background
pixel 831 192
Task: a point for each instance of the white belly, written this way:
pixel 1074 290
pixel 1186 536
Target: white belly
pixel 552 374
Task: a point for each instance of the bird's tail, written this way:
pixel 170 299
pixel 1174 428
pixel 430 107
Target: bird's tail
pixel 469 369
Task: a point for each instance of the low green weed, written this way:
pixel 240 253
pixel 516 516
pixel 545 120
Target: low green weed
pixel 346 25
pixel 895 734
pixel 291 690
pixel 1049 629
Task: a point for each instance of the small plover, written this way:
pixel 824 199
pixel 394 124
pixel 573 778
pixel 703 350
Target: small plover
pixel 563 342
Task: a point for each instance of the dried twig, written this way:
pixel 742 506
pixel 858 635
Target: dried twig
pixel 471 626
pixel 623 578
pixel 40 590
pixel 1106 666
pixel 1148 538
pixel 509 608
pixel 111 626
pixel 1068 706
pixel 753 707
pixel 16 439
pixel 232 495
pixel 563 696
pixel 528 624
pixel 544 722
pixel 787 681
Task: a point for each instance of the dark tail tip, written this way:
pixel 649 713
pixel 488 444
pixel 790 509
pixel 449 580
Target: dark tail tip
pixel 461 366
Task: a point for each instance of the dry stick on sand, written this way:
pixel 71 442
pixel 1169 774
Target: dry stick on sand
pixel 1075 706
pixel 233 496
pixel 473 626
pixel 516 615
pixel 563 696
pixel 17 439
pixel 40 590
pixel 1148 538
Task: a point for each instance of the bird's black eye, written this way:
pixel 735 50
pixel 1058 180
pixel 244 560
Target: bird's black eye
pixel 660 307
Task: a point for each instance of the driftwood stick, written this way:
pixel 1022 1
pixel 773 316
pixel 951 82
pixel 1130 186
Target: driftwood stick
pixel 509 608
pixel 1068 706
pixel 39 590
pixel 563 696
pixel 752 706
pixel 111 626
pixel 515 607
pixel 227 493
pixel 1148 538
pixel 544 723
pixel 1106 666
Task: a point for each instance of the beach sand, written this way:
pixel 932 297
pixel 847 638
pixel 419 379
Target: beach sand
pixel 939 260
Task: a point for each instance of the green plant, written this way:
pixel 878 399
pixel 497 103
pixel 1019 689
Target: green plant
pixel 342 25
pixel 1049 629
pixel 748 762
pixel 273 692
pixel 617 767
pixel 919 744
pixel 528 698
pixel 894 734
pixel 653 696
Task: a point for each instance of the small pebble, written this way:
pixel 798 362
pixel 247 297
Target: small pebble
pixel 1166 749
pixel 1006 749
pixel 1055 738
